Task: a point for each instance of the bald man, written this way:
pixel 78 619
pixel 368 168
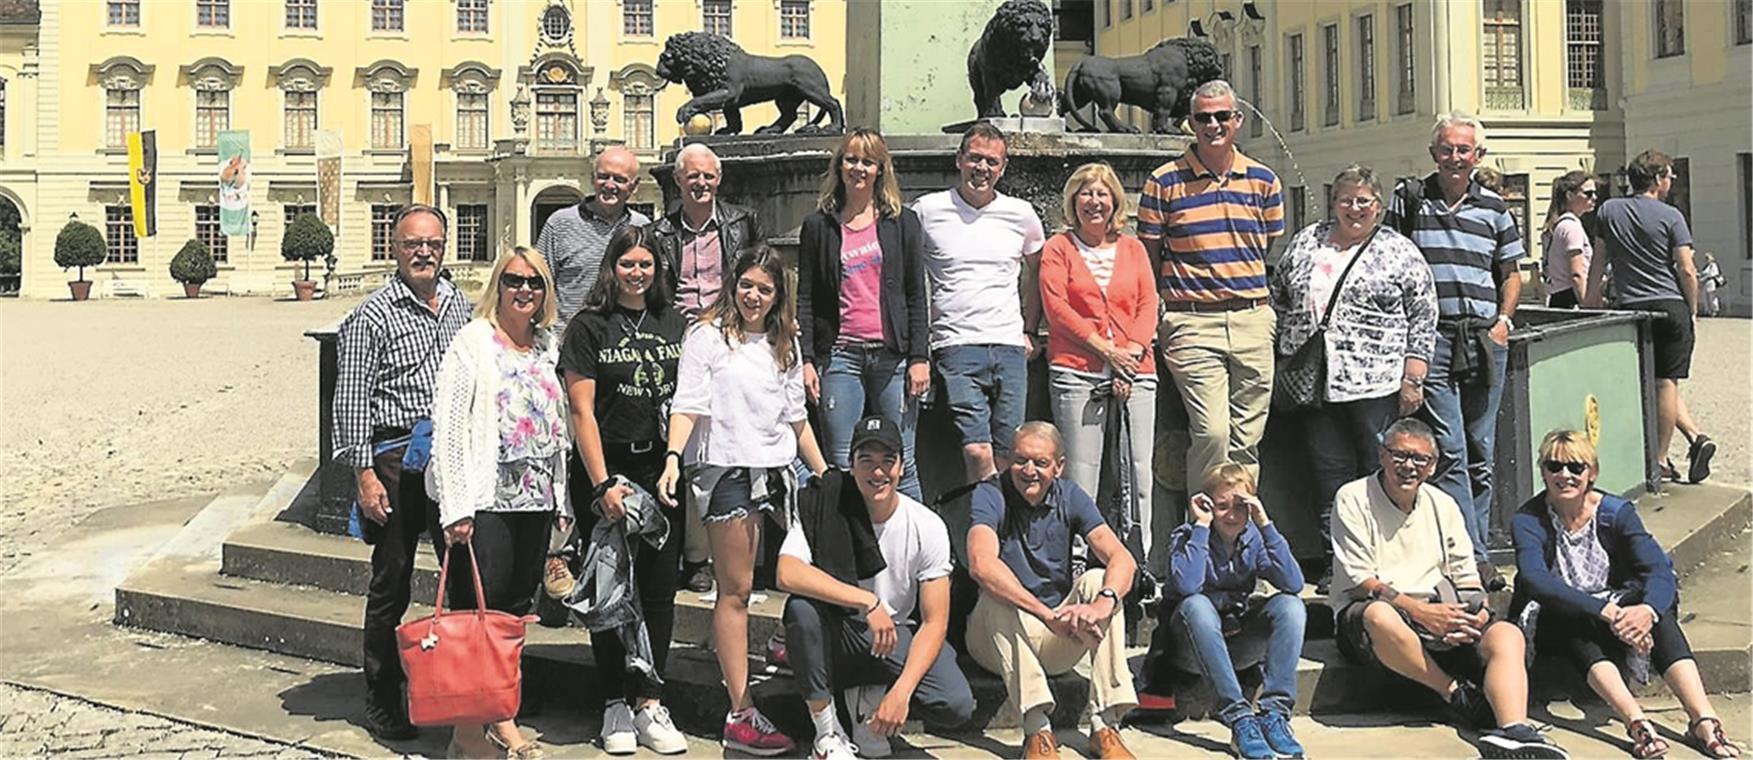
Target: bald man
pixel 574 239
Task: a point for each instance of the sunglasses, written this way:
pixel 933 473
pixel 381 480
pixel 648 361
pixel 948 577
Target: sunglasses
pixel 511 281
pixel 1588 193
pixel 1214 117
pixel 1576 468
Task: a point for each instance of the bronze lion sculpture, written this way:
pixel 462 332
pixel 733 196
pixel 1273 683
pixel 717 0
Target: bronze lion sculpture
pixel 1009 54
pixel 1161 80
pixel 723 77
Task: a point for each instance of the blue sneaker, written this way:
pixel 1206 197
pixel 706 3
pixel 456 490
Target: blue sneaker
pixel 1248 741
pixel 1276 727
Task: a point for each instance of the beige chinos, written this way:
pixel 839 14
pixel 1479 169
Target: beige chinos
pixel 1019 647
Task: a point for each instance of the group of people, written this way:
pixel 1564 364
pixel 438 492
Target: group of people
pixel 630 403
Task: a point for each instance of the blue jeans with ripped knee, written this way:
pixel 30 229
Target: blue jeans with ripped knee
pixel 863 379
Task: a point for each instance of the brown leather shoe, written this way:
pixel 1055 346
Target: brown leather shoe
pixel 1041 745
pixel 1108 746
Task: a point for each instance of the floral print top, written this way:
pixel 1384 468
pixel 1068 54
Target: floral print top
pixel 532 428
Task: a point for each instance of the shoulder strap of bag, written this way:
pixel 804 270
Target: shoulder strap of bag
pixel 1333 300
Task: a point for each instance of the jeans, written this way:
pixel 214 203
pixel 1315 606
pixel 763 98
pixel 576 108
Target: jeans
pixel 1464 418
pixel 868 377
pixel 1344 444
pixel 987 386
pixel 1271 634
pixel 830 651
pixel 1082 421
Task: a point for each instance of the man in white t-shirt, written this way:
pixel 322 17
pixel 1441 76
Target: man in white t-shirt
pixel 857 561
pixel 982 254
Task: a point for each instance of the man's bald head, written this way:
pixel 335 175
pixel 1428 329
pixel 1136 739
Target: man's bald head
pixel 615 177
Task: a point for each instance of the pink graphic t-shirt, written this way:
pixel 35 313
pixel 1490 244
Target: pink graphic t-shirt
pixel 861 265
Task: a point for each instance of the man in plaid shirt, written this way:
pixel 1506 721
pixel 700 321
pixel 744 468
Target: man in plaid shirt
pixel 390 349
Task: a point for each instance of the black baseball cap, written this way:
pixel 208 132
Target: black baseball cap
pixel 878 430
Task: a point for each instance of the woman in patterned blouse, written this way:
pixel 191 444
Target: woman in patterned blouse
pixel 1378 339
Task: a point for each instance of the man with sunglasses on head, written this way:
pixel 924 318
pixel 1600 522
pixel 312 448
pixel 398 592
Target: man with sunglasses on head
pixel 388 353
pixel 1208 219
pixel 1412 600
pixel 1472 244
pixel 574 238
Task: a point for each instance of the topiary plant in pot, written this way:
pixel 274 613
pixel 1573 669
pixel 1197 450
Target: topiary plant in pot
pixel 307 240
pixel 193 267
pixel 79 245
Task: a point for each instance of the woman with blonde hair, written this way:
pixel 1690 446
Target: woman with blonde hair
pixel 1594 587
pixel 499 446
pixel 1565 263
pixel 861 302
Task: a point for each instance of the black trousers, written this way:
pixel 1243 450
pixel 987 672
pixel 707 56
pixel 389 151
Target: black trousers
pixel 1585 641
pixel 392 567
pixel 510 548
pixel 654 572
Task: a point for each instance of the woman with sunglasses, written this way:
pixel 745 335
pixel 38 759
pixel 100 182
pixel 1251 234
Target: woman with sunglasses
pixel 1372 290
pixel 620 358
pixel 739 411
pixel 1594 587
pixel 1565 263
pixel 499 443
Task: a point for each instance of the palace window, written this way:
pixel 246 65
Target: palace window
pixel 212 116
pixel 1149 5
pixel 1330 66
pixel 1680 193
pixel 1743 22
pixel 636 18
pixel 639 121
pixel 301 119
pixel 1582 41
pixel 290 213
pixel 1299 207
pixel 715 16
pixel 557 121
pixel 472 16
pixel 207 231
pixel 120 245
pixel 794 19
pixel 1406 53
pixel 471 121
pixel 124 12
pixel 1107 13
pixel 383 223
pixel 1366 67
pixel 301 14
pixel 1514 189
pixel 213 14
pixel 1670 28
pixel 386 15
pixel 2 118
pixel 1125 9
pixel 121 115
pixel 1256 123
pixel 472 232
pixel 1744 166
pixel 1298 74
pixel 1502 54
pixel 386 120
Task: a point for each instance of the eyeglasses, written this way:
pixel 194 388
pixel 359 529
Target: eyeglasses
pixel 1576 468
pixel 1213 117
pixel 435 244
pixel 511 281
pixel 1411 457
pixel 1357 203
pixel 1453 150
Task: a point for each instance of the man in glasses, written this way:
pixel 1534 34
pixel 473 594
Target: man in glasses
pixel 1208 219
pixel 389 350
pixel 1413 603
pixel 1472 244
pixel 1649 246
pixel 574 238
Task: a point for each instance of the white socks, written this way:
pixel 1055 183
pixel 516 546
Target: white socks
pixel 825 719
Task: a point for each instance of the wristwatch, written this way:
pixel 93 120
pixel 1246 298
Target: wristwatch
pixel 1109 593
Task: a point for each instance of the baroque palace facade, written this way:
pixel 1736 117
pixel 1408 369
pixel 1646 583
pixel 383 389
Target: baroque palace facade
pixel 1559 84
pixel 518 95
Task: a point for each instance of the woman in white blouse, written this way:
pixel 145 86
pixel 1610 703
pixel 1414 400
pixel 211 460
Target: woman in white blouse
pixel 499 444
pixel 739 412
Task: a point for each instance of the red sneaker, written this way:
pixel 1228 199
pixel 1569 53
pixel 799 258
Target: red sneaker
pixel 1161 702
pixel 749 731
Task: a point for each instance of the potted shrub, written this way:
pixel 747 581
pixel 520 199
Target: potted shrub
pixel 193 267
pixel 307 240
pixel 79 245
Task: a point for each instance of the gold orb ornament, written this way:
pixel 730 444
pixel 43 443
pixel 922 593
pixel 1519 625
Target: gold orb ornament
pixel 698 125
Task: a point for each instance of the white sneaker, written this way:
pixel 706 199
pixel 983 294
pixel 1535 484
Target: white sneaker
pixel 618 734
pixel 834 746
pixel 861 703
pixel 657 733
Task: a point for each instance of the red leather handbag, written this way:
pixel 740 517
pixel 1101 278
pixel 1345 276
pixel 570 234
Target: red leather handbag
pixel 464 668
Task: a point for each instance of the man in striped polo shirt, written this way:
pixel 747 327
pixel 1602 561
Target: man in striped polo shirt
pixel 1207 219
pixel 1472 244
pixel 574 238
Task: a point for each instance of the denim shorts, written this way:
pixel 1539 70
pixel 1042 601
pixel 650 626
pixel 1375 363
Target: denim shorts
pixel 730 493
pixel 986 386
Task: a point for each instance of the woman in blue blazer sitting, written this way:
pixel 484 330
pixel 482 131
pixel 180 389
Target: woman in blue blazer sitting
pixel 1593 586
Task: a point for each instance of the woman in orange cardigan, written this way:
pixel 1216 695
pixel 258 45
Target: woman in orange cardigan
pixel 1101 305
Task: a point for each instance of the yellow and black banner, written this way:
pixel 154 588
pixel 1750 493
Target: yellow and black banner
pixel 143 181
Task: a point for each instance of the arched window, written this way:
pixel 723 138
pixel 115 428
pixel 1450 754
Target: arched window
pixel 122 78
pixel 212 81
pixel 387 83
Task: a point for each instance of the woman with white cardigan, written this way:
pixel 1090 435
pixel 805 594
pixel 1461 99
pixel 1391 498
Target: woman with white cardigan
pixel 499 445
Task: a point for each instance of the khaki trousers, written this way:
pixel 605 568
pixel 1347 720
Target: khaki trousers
pixel 1019 647
pixel 1222 365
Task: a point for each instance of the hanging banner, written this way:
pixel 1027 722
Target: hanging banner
pixel 328 150
pixel 420 151
pixel 234 182
pixel 143 182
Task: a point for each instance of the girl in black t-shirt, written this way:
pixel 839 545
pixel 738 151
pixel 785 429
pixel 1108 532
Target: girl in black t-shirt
pixel 619 362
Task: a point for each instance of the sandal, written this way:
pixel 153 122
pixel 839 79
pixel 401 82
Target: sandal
pixel 525 751
pixel 1645 743
pixel 1669 473
pixel 1714 745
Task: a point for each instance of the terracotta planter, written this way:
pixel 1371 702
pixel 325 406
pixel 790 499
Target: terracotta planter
pixel 81 289
pixel 192 289
pixel 304 289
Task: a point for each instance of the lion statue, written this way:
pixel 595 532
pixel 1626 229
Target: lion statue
pixel 1161 80
pixel 723 77
pixel 1009 54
